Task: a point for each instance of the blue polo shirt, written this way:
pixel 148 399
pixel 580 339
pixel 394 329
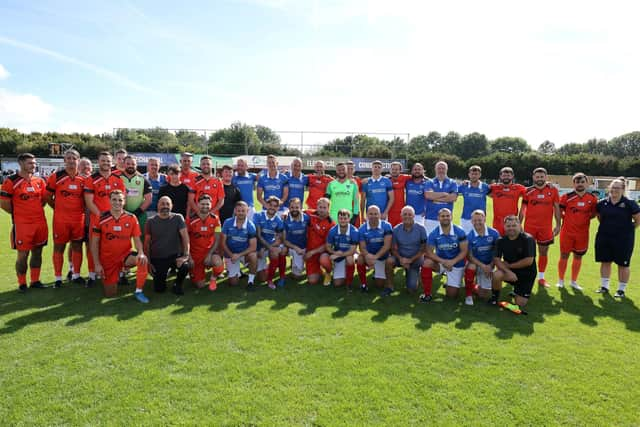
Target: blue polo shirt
pixel 269 227
pixel 415 195
pixel 481 247
pixel 446 186
pixel 296 186
pixel 448 245
pixel 273 186
pixel 377 191
pixel 296 231
pixel 238 238
pixel 155 189
pixel 245 183
pixel 616 220
pixel 342 242
pixel 474 198
pixel 409 242
pixel 374 237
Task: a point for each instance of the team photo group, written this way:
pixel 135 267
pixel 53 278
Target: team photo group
pixel 207 225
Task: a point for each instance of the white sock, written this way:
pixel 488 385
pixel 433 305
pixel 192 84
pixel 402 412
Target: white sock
pixel 604 282
pixel 58 278
pixel 541 275
pixel 138 291
pixel 92 275
pixel 622 286
pixel 70 266
pixel 251 277
pixel 75 275
pixel 561 282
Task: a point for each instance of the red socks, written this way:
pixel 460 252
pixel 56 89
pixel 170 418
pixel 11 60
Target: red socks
pixel 22 279
pixel 282 266
pixel 35 274
pixel 575 268
pixel 469 275
pixel 58 260
pixel 350 269
pixel 542 263
pixel 362 274
pixel 141 275
pixel 217 270
pixel 427 279
pixel 562 267
pixel 76 259
pixel 271 270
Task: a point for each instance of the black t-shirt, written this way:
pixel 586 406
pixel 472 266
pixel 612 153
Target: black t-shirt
pixel 524 246
pixel 231 197
pixel 179 195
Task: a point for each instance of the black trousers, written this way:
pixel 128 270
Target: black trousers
pixel 161 267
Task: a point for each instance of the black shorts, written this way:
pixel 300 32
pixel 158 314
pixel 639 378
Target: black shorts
pixel 523 286
pixel 614 249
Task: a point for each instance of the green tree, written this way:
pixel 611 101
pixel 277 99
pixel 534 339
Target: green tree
pixel 547 147
pixel 509 144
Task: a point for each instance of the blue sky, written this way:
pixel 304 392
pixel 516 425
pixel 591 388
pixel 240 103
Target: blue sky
pixel 564 71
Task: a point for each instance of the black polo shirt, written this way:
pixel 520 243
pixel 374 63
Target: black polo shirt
pixel 616 218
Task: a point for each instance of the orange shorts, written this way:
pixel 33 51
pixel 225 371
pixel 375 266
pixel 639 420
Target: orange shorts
pixel 576 243
pixel 25 237
pixel 112 268
pixel 543 235
pixel 197 273
pixel 64 232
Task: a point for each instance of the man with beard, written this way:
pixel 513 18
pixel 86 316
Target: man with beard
pixel 204 240
pixel 85 168
pixel 232 194
pixel 318 185
pixel 343 193
pixel 297 181
pixel 415 192
pixel 176 191
pixel 239 243
pixel 540 204
pixel 206 183
pixel 578 207
pixel 506 195
pixel 139 191
pixel 407 247
pixel 273 183
pixel 375 246
pixel 246 182
pixel 377 190
pixel 440 192
pixel 119 166
pixel 474 193
pixel 269 228
pixel 316 258
pixel 398 182
pixel 295 237
pixel 167 243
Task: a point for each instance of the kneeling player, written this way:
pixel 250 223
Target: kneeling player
pixel 447 249
pixel 316 258
pixel 238 239
pixel 341 246
pixel 295 237
pixel 375 245
pixel 407 247
pixel 111 247
pixel 204 237
pixel 269 227
pixel 482 241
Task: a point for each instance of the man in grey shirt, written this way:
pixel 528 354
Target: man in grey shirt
pixel 167 243
pixel 408 247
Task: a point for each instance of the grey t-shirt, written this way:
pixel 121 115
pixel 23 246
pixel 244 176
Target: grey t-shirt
pixel 409 241
pixel 165 235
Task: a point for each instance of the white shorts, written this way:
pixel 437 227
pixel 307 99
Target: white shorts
pixel 340 269
pixel 466 225
pixel 263 255
pixel 419 219
pixel 379 271
pixel 297 263
pixel 454 277
pixel 430 225
pixel 233 268
pixel 482 279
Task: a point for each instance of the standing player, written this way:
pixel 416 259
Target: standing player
pixel 246 182
pixel 139 191
pixel 351 168
pixel 317 184
pixel 341 246
pixel 119 156
pixel 65 194
pixel 506 196
pixel 377 190
pixel 204 238
pixel 111 247
pixel 415 192
pixel 447 248
pixel 269 228
pixel 474 193
pixel 343 193
pixel 540 204
pixel 85 168
pixel 297 181
pixel 23 196
pixel 440 192
pixel 238 240
pixel 375 246
pixel 407 247
pixel 157 180
pixel 482 242
pixel 96 197
pixel 176 191
pixel 578 207
pixel 206 183
pixel 295 237
pixel 316 258
pixel 232 194
pixel 273 183
pixel 187 175
pixel 398 183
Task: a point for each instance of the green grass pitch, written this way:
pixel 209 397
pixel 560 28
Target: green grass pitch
pixel 315 356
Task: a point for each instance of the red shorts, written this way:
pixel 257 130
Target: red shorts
pixel 576 243
pixel 112 268
pixel 25 237
pixel 64 232
pixel 197 273
pixel 394 217
pixel 543 235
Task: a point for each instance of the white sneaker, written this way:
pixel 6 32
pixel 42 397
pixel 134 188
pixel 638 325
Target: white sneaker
pixel 575 286
pixel 468 300
pixel 560 285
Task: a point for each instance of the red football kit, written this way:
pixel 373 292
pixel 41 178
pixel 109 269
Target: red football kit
pixel 27 213
pixel 505 202
pixel 317 188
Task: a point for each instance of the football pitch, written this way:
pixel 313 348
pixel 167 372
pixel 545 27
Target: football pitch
pixel 310 355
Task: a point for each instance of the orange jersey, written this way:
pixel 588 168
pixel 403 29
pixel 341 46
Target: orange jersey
pixel 26 196
pixel 399 191
pixel 538 204
pixel 212 186
pixel 317 188
pixel 69 196
pixel 115 235
pixel 189 179
pixel 505 199
pixel 202 232
pixel 318 230
pixel 101 187
pixel 577 212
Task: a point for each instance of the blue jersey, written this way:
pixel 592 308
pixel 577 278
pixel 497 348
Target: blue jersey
pixel 474 198
pixel 296 231
pixel 377 192
pixel 273 186
pixel 481 247
pixel 415 195
pixel 238 238
pixel 448 245
pixel 245 184
pixel 155 189
pixel 269 227
pixel 446 186
pixel 342 242
pixel 296 186
pixel 374 237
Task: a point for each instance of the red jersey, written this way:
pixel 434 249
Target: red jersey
pixel 212 186
pixel 577 212
pixel 101 187
pixel 26 196
pixel 202 232
pixel 538 204
pixel 317 230
pixel 69 196
pixel 505 199
pixel 115 235
pixel 317 188
pixel 399 191
pixel 189 179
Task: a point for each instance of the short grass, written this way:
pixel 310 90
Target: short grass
pixel 314 356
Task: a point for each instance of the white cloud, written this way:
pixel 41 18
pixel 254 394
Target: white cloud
pixel 22 110
pixel 4 74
